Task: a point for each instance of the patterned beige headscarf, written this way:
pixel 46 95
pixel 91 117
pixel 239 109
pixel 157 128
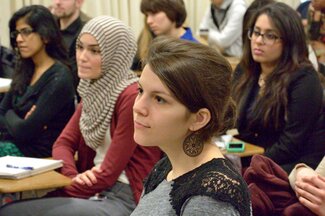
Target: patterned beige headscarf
pixel 118 47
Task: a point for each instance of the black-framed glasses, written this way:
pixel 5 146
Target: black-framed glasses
pixel 25 32
pixel 268 38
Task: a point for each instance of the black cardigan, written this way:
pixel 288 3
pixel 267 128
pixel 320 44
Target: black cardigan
pixel 301 139
pixel 53 95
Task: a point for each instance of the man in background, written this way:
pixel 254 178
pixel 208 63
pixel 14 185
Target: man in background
pixel 222 26
pixel 71 21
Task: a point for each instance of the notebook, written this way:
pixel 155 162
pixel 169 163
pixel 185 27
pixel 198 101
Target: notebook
pixel 12 167
pixel 4 84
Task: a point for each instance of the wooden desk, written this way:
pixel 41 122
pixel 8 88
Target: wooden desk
pixel 250 150
pixel 47 180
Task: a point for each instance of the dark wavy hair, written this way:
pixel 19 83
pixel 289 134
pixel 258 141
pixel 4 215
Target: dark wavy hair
pixel 198 76
pixel 253 7
pixel 44 24
pixel 174 9
pixel 271 107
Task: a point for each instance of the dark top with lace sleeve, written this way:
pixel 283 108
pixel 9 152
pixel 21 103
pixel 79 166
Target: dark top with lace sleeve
pixel 216 179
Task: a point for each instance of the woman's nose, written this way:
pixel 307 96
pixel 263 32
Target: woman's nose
pixel 140 106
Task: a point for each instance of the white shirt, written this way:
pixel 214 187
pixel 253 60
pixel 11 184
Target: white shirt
pixel 101 153
pixel 228 35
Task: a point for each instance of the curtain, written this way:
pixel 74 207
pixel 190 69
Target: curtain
pixel 126 10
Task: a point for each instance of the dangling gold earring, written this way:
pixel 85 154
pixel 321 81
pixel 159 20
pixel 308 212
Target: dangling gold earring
pixel 192 145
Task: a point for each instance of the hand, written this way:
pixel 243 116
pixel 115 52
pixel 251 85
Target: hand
pixel 311 191
pixel 303 172
pixel 88 177
pixel 32 109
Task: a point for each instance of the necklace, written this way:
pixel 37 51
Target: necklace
pixel 261 81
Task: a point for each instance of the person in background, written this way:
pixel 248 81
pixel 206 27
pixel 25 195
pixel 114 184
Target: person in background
pixel 162 17
pixel 316 31
pixel 183 102
pixel 110 166
pixel 253 7
pixel 222 25
pixel 7 64
pixel 302 9
pixel 40 101
pixel 278 92
pixel 70 19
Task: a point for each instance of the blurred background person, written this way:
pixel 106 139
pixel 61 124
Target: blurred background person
pixel 302 9
pixel 222 25
pixel 162 17
pixel 71 21
pixel 7 62
pixel 316 31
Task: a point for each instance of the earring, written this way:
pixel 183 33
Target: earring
pixel 192 145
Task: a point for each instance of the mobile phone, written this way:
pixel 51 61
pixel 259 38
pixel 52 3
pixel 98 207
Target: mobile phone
pixel 236 146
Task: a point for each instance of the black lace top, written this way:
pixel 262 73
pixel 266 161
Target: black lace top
pixel 216 179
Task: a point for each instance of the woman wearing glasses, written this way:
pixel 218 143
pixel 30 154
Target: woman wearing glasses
pixel 41 98
pixel 278 93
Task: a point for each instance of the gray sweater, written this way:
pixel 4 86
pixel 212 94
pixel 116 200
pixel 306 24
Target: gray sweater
pixel 157 203
pixel 214 188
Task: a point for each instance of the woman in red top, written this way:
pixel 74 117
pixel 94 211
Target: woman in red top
pixel 110 165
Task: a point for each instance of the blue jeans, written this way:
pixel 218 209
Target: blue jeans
pixel 118 201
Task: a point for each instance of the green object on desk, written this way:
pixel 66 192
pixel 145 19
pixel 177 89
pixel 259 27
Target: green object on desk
pixel 235 146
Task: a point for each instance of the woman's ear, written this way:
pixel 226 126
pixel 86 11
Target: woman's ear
pixel 200 119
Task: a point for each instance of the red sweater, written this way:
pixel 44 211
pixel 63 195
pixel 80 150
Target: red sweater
pixel 123 153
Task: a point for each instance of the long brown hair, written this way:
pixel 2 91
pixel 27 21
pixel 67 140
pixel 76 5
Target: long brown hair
pixel 198 76
pixel 271 106
pixel 144 41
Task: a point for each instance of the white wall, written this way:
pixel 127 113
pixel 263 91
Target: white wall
pixel 126 10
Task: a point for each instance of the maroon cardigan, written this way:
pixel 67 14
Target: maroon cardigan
pixel 270 190
pixel 123 153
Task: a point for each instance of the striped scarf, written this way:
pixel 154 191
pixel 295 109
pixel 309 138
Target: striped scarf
pixel 117 46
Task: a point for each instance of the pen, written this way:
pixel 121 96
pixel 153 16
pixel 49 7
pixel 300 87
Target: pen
pixel 19 167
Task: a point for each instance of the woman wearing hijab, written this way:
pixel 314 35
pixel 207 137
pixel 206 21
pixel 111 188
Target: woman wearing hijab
pixel 110 167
